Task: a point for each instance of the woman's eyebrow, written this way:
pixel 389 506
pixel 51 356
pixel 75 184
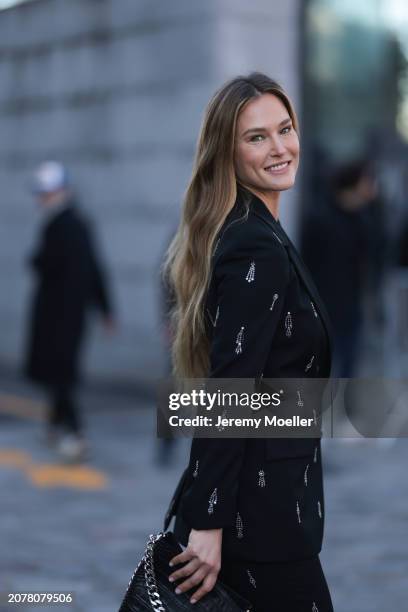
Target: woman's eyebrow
pixel 262 129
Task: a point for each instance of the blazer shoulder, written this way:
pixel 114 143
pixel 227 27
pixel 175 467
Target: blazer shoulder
pixel 245 235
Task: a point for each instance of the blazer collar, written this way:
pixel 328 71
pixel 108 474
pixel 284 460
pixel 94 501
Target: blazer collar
pixel 261 210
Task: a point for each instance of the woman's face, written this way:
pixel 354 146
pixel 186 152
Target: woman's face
pixel 266 154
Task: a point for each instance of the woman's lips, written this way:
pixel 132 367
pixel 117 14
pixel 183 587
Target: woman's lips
pixel 277 168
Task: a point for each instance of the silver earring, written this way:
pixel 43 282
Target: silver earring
pixel 305 474
pixel 288 325
pixel 239 526
pixel 212 502
pixel 275 297
pixel 251 579
pixel 250 277
pixel 309 365
pixel 239 340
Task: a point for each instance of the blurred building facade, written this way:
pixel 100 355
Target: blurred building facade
pixel 355 88
pixel 116 91
pixel 355 106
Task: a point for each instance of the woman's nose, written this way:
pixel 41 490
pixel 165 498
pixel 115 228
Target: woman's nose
pixel 277 146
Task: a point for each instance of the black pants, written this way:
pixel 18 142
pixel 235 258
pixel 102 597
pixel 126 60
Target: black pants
pixel 292 586
pixel 63 410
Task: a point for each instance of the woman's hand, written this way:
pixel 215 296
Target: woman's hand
pixel 203 556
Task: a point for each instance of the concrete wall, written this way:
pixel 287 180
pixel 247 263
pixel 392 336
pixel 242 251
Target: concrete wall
pixel 116 90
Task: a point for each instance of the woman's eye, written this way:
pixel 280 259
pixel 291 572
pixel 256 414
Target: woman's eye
pixel 257 138
pixel 288 128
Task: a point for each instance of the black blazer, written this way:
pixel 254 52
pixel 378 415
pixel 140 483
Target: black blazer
pixel 264 318
pixel 69 281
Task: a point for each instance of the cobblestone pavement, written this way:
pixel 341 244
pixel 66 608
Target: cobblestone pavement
pixel 84 529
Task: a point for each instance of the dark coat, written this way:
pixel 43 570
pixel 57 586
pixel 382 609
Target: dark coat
pixel 259 285
pixel 345 251
pixel 69 281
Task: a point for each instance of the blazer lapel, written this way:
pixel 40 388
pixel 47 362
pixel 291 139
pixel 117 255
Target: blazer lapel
pixel 261 210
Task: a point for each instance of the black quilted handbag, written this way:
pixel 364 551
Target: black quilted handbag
pixel 149 588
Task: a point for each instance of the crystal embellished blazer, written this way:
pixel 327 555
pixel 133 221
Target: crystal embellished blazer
pixel 264 319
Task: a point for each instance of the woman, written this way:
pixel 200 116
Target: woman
pixel 249 511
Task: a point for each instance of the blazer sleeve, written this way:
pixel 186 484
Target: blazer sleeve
pixel 252 283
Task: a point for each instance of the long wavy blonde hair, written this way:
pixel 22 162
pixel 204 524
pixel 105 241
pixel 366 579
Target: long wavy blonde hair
pixel 209 197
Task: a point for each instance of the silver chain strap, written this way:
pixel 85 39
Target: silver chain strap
pixel 150 577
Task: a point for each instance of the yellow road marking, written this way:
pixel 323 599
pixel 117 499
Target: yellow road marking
pixel 14 458
pixel 52 475
pixel 22 407
pixel 44 474
pixel 77 477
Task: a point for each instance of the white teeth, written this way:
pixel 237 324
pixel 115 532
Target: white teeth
pixel 278 166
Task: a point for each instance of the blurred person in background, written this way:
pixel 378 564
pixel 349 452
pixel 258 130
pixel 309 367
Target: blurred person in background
pixel 68 281
pixel 341 245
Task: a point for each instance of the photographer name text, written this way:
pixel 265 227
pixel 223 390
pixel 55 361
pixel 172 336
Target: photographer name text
pixel 266 421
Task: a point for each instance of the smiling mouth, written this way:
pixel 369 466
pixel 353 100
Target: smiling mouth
pixel 277 168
